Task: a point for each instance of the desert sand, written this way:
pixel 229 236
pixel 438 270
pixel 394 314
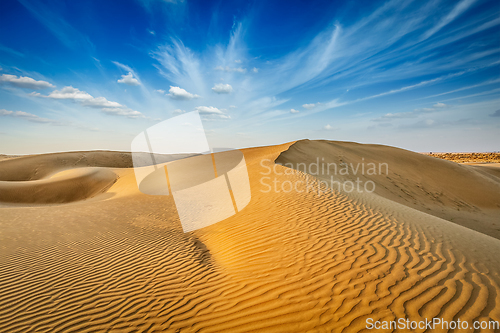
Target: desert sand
pixel 83 250
pixel 468 157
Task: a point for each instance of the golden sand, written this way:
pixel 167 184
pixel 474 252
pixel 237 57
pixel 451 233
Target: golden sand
pixel 112 259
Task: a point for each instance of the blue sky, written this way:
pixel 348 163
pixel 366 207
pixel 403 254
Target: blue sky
pixel 421 75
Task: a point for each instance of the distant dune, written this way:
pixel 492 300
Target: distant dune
pixel 82 250
pixel 468 157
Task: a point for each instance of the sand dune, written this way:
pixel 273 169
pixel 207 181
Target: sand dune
pixel 288 262
pixel 469 196
pixel 468 157
pixel 67 186
pixel 34 167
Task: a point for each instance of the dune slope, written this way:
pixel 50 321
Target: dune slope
pixel 464 194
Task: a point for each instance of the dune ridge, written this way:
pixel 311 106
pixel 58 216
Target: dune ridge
pixel 288 262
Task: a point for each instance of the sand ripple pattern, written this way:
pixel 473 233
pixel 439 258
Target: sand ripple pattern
pixel 287 263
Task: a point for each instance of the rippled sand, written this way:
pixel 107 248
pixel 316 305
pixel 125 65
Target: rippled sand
pixel 111 259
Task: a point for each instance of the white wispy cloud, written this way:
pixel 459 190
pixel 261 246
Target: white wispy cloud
pixel 309 106
pixel 255 94
pixel 231 69
pixel 180 94
pixel 129 79
pixel 367 48
pixel 485 83
pixel 25 82
pixel 211 111
pixel 344 57
pixel 85 99
pixel 11 51
pixel 28 116
pixel 100 102
pixel 482 93
pixel 460 8
pixel 179 65
pixel 396 47
pixel 48 15
pixel 69 93
pixel 411 114
pixel 208 110
pixel 222 88
pixel 121 111
pixel 413 86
